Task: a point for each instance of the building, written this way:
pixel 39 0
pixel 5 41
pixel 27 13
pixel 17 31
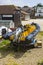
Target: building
pixel 7 15
pixel 25 15
pixel 29 10
pixel 26 9
pixel 11 16
pixel 39 12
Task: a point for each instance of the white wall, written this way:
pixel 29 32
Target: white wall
pixel 39 11
pixel 37 14
pixel 27 17
pixel 11 24
pixel 38 21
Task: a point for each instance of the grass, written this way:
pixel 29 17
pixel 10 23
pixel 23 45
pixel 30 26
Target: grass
pixel 40 62
pixel 11 63
pixel 4 43
pixel 4 48
pixel 41 33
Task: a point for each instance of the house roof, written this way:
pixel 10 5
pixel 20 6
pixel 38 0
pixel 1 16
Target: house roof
pixel 8 9
pixel 27 9
pixel 23 12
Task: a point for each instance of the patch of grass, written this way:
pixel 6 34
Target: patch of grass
pixel 4 43
pixel 41 33
pixel 11 62
pixel 40 62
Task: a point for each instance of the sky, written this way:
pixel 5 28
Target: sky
pixel 21 2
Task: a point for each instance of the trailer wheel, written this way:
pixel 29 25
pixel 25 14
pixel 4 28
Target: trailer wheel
pixel 38 44
pixel 35 45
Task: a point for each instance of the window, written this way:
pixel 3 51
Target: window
pixel 39 11
pixel 7 15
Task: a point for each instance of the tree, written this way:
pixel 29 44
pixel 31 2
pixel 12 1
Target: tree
pixel 40 5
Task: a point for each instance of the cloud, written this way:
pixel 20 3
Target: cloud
pixel 21 2
pixel 5 2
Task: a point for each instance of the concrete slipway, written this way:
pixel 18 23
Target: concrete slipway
pixel 39 21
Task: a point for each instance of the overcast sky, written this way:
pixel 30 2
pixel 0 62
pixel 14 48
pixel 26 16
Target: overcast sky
pixel 21 2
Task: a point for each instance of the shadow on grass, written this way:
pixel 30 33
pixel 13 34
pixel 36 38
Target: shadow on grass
pixel 14 51
pixel 40 63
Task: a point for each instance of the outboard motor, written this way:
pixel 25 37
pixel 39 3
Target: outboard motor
pixel 3 31
pixel 18 31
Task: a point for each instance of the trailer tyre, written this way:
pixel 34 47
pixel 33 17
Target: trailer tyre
pixel 38 44
pixel 35 45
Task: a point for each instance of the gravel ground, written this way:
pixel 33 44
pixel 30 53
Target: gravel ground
pixel 29 57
